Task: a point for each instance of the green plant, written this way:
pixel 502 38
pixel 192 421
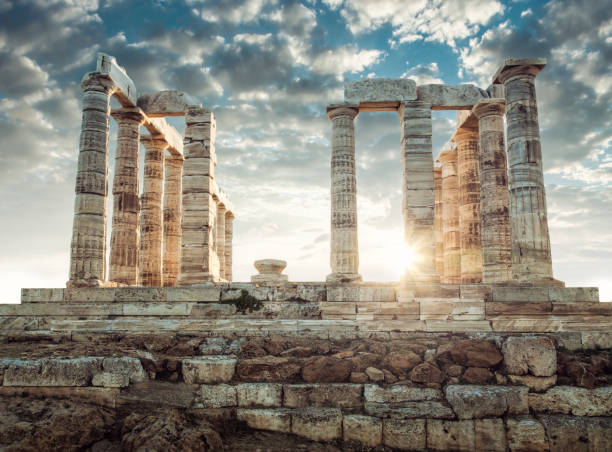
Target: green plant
pixel 245 302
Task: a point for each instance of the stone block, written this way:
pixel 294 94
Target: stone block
pixel 475 291
pixel 201 294
pixel 450 97
pixel 345 396
pixel 457 326
pixel 535 325
pixel 259 395
pixel 489 435
pixel 216 396
pixel 366 430
pixel 268 369
pixel 42 295
pixel 51 372
pixel 535 384
pixel 536 355
pixel 573 400
pixel 151 294
pixel 579 294
pixel 110 380
pixel 90 294
pixel 450 435
pixel 596 340
pixel 211 369
pixel 430 409
pixel 97 396
pixel 460 310
pixel 476 402
pixel 317 424
pixel 497 309
pixel 582 308
pixel 156 309
pixel 600 433
pixel 566 433
pixel 19 323
pixel 273 420
pixel 212 311
pixel 521 293
pixel 404 434
pixel 337 308
pixel 397 395
pixel 131 368
pixel 526 434
pixel 380 91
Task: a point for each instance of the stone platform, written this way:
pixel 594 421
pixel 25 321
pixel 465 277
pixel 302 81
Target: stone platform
pixel 318 367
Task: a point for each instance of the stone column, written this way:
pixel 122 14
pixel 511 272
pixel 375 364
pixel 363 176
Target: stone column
pixel 418 190
pixel 438 231
pixel 172 218
pixel 468 171
pixel 151 215
pixel 88 245
pixel 494 206
pixel 220 243
pixel 450 217
pixel 531 258
pixel 229 232
pixel 123 268
pixel 344 244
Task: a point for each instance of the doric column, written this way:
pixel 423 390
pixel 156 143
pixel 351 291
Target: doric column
pixel 344 244
pixel 220 243
pixel 450 217
pixel 438 231
pixel 418 189
pixel 172 218
pixel 494 206
pixel 531 258
pixel 151 215
pixel 468 171
pixel 88 245
pixel 123 268
pixel 229 232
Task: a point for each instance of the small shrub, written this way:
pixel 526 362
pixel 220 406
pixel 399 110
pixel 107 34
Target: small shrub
pixel 245 302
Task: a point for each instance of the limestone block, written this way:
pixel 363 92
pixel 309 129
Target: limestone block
pixel 582 308
pixel 530 354
pixel 535 384
pixel 450 435
pixel 517 308
pixel 380 90
pixel 600 434
pixel 130 367
pixel 259 395
pixel 526 434
pixel 52 372
pixel 212 369
pixel 19 323
pixel 595 340
pixel 457 325
pixel 41 295
pixel 456 310
pixel 450 97
pixel 536 325
pixel 573 294
pixel 204 293
pixel 573 400
pixel 510 293
pixel 166 103
pixel 216 396
pixel 89 294
pixel 110 380
pixel 131 294
pixel 323 395
pixel 156 309
pixel 198 115
pixel 490 435
pixel 411 410
pixel 404 434
pixel 566 433
pixel 365 429
pixel 317 424
pixel 98 396
pixel 396 395
pixel 476 402
pixel 273 420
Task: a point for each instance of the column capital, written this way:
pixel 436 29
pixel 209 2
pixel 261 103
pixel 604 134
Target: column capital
pixel 155 141
pixel 129 114
pixel 96 81
pixel 335 110
pixel 465 134
pixel 448 156
pixel 487 107
pixel 513 67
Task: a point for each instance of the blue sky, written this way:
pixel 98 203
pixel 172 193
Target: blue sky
pixel 268 68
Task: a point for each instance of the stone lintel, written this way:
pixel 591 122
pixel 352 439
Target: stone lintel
pixel 380 91
pixel 166 103
pixel 126 89
pixel 221 197
pixel 450 97
pixel 159 126
pixel 537 64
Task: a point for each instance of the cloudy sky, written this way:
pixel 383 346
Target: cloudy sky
pixel 268 68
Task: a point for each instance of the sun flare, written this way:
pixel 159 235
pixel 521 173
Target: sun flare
pixel 405 257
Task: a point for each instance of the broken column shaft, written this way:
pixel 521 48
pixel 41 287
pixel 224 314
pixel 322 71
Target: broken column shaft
pixel 172 218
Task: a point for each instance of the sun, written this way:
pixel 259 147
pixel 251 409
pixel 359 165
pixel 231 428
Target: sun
pixel 405 257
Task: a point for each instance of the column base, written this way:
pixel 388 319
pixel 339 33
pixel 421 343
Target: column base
pixel 343 277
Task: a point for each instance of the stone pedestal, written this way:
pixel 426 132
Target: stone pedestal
pixel 270 272
pixel 88 245
pixel 438 229
pixel 220 239
pixel 172 218
pixel 344 243
pixel 531 257
pixel 151 215
pixel 450 217
pixel 123 267
pixel 494 205
pixel 229 233
pixel 418 190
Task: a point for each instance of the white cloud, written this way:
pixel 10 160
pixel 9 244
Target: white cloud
pixel 527 12
pixel 424 74
pixel 344 59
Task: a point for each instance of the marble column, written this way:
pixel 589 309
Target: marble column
pixel 468 173
pixel 531 256
pixel 172 218
pixel 494 205
pixel 151 214
pixel 123 268
pixel 220 243
pixel 88 244
pixel 450 217
pixel 229 233
pixel 344 244
pixel 438 231
pixel 418 190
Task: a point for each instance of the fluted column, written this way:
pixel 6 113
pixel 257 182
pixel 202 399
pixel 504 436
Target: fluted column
pixel 151 215
pixel 469 203
pixel 123 268
pixel 494 205
pixel 344 244
pixel 438 231
pixel 172 218
pixel 418 190
pixel 88 244
pixel 229 233
pixel 531 256
pixel 450 217
pixel 220 243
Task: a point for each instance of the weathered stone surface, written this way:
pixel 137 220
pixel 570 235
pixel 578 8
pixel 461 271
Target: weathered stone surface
pixel 259 395
pixel 471 352
pixel 477 375
pixel 430 409
pixel 450 97
pixel 401 363
pixel 374 374
pixel 566 433
pixel 475 402
pixel 365 429
pixel 404 434
pixel 450 435
pixel 380 91
pixel 130 367
pixel 343 396
pixel 166 103
pixel 217 396
pixel 573 400
pixel 317 424
pixel 536 355
pixel 52 372
pixel 326 370
pixel 535 384
pixel 273 420
pixel 490 435
pixel 426 373
pixel 268 369
pixel 396 395
pixel 212 369
pixel 594 340
pixel 110 380
pixel 525 434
